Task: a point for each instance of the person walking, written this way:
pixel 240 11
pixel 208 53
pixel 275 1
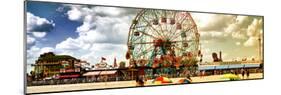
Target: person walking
pixel 139 82
pixel 201 74
pixel 243 73
pixel 236 72
pixel 248 73
pixel 188 77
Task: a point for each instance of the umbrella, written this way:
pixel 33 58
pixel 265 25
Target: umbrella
pixel 231 76
pixel 184 81
pixel 162 80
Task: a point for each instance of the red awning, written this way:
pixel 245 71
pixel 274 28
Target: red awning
pixel 69 76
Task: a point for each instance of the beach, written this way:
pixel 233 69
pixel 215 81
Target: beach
pixel 132 83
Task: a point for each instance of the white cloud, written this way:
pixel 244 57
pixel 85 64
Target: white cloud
pixel 214 22
pixel 217 27
pixel 108 51
pixel 102 24
pixel 245 29
pixel 221 32
pixel 238 43
pixel 205 41
pixel 202 19
pixel 213 36
pixel 38 24
pixel 91 52
pixel 103 33
pixel 254 28
pixel 60 9
pixel 238 35
pixel 39 34
pixel 72 47
pixel 69 44
pixel 109 11
pixel 37 28
pixel 105 30
pixel 30 40
pixel 238 28
pixel 242 19
pixel 254 32
pixel 252 41
pixel 34 52
pixel 74 13
pixel 46 49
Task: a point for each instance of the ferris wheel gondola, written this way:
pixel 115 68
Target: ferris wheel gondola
pixel 158 37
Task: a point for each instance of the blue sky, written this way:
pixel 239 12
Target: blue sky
pixel 64 27
pixel 71 30
pixel 92 32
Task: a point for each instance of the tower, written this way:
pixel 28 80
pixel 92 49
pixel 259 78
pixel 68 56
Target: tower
pixel 220 56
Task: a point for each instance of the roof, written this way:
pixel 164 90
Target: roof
pixel 92 73
pixel 108 72
pixel 50 56
pixel 231 66
pixel 56 57
pixel 69 76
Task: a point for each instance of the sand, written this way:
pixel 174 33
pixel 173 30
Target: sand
pixel 117 84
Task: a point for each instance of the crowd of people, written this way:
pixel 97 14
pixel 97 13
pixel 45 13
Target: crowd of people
pixel 243 72
pixel 140 80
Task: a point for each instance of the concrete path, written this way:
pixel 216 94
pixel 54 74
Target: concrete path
pixel 117 84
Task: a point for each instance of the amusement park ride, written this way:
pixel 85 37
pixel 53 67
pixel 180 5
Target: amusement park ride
pixel 163 47
pixel 163 39
pixel 166 41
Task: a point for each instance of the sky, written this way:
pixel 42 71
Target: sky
pixel 91 32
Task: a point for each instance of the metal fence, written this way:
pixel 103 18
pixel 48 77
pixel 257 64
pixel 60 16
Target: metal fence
pixel 128 78
pixel 73 81
pixel 94 79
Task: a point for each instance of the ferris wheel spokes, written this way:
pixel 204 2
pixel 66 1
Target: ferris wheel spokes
pixel 151 27
pixel 160 33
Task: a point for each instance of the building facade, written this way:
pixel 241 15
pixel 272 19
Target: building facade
pixel 51 66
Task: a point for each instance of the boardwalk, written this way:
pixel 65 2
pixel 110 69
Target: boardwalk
pixel 116 84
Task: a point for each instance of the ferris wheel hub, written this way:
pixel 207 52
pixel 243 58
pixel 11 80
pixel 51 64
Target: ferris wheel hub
pixel 155 33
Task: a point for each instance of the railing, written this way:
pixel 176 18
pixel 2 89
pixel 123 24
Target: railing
pixel 180 73
pixel 231 62
pixel 129 78
pixel 72 81
pixel 97 79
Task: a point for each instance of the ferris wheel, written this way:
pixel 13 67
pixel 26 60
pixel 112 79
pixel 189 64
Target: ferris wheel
pixel 162 37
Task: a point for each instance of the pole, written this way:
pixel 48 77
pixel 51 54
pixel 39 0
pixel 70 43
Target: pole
pixel 260 51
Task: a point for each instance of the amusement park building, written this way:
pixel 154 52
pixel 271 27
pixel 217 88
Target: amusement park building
pixel 49 65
